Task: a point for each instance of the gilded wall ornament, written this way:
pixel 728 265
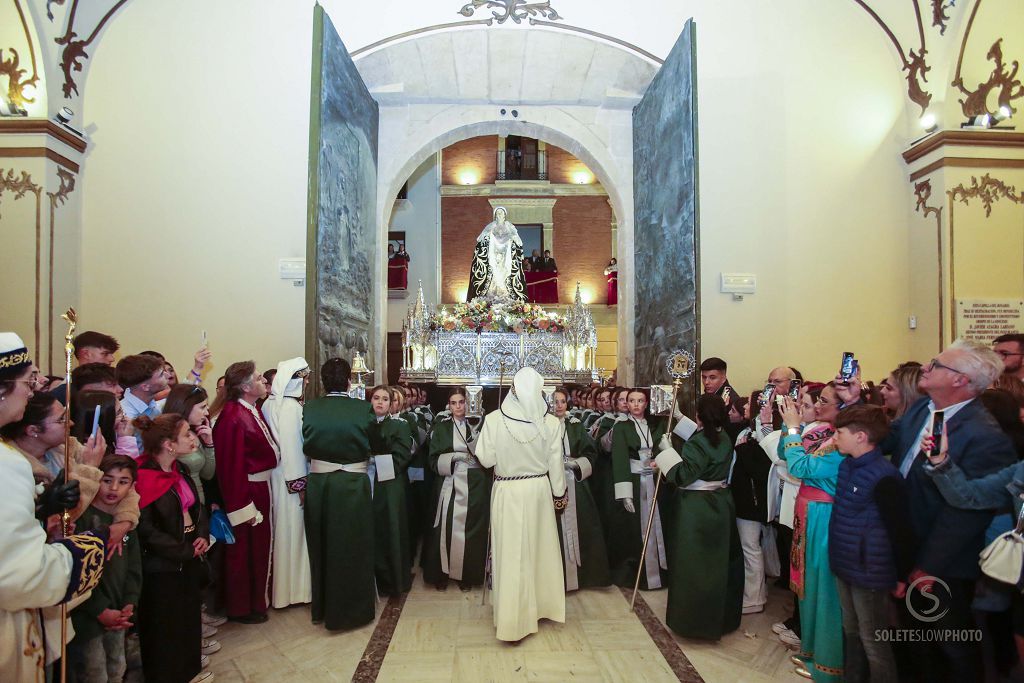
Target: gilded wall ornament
pixel 74 50
pixel 516 10
pixel 49 12
pixel 17 80
pixel 923 192
pixel 19 185
pixel 989 190
pixel 1002 78
pixel 67 186
pixel 913 61
pixel 939 16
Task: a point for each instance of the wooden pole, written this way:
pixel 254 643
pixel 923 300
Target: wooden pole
pixel 654 503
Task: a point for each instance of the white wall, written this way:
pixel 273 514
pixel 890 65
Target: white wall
pixel 419 217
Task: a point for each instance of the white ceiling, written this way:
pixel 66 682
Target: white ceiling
pixel 506 67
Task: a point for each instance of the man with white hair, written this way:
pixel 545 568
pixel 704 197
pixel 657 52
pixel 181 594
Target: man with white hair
pixel 949 539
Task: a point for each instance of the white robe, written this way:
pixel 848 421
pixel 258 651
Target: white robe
pixel 291 575
pixel 33 574
pixel 527 559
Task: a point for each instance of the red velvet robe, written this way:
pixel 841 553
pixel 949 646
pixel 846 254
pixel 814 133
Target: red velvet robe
pixel 243 449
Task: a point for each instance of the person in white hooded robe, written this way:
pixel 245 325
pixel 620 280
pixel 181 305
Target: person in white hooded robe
pixel 283 412
pixel 524 446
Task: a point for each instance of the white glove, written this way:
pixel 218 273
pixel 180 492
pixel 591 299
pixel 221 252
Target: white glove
pixel 258 519
pixel 676 413
pixel 665 443
pixel 627 503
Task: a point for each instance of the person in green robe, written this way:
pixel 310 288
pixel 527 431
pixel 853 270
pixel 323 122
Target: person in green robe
pixel 391 450
pixel 633 442
pixel 339 505
pixel 584 556
pixel 421 479
pixel 602 482
pixel 705 593
pixel 456 548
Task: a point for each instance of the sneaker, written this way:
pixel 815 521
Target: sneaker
pixel 778 627
pixel 753 609
pixel 209 631
pixel 203 677
pixel 204 662
pixel 211 620
pixel 803 671
pixel 210 646
pixel 789 638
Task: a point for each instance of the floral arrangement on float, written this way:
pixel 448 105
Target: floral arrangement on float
pixel 481 315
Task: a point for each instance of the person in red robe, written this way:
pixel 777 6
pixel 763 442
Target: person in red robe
pixel 246 454
pixel 612 273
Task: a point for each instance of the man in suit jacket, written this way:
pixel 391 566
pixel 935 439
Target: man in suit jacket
pixel 950 538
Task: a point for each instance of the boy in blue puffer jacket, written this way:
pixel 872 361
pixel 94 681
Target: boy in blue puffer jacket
pixel 871 547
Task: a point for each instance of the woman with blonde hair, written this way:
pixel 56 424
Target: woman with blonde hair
pixel 899 389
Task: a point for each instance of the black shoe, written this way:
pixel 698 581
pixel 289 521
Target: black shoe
pixel 254 618
pixel 442 585
pixel 464 587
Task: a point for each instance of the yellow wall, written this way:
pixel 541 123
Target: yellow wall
pixel 195 180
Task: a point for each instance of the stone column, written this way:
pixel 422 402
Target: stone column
pixel 542 161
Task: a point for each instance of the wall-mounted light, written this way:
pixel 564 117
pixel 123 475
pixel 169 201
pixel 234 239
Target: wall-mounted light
pixel 929 123
pixel 979 121
pixel 581 177
pixel 468 178
pixel 586 295
pixel 1001 115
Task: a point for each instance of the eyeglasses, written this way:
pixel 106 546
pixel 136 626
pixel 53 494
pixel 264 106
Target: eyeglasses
pixel 1007 354
pixel 822 402
pixel 35 380
pixel 935 363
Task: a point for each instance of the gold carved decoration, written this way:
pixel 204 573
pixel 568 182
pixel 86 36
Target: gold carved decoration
pixel 11 67
pixel 516 10
pixel 923 192
pixel 989 190
pixel 21 185
pixel 939 16
pixel 976 102
pixel 74 50
pixel 67 186
pixel 913 61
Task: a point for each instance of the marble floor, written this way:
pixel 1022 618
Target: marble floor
pixel 449 636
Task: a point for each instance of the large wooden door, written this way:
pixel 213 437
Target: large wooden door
pixel 341 225
pixel 666 215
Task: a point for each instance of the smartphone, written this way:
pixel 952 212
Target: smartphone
pixel 937 419
pixel 848 366
pixel 95 421
pixel 204 339
pixel 766 394
pixel 794 389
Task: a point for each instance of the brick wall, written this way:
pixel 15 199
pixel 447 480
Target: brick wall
pixel 477 157
pixel 582 244
pixel 462 220
pixel 563 167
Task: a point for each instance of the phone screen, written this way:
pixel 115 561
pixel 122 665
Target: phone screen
pixel 766 394
pixel 794 389
pixel 847 368
pixel 96 421
pixel 937 419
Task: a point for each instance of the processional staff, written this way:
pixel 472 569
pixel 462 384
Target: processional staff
pixel 680 366
pixel 71 318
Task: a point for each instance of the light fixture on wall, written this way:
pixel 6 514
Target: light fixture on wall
pixel 63 117
pixel 581 177
pixel 979 121
pixel 929 123
pixel 468 178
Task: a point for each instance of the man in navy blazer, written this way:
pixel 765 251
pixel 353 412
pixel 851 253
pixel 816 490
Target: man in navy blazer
pixel 950 538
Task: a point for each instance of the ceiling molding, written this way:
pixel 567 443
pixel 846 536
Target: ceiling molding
pixel 18 126
pixel 964 138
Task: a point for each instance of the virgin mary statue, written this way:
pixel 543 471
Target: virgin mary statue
pixel 497 271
